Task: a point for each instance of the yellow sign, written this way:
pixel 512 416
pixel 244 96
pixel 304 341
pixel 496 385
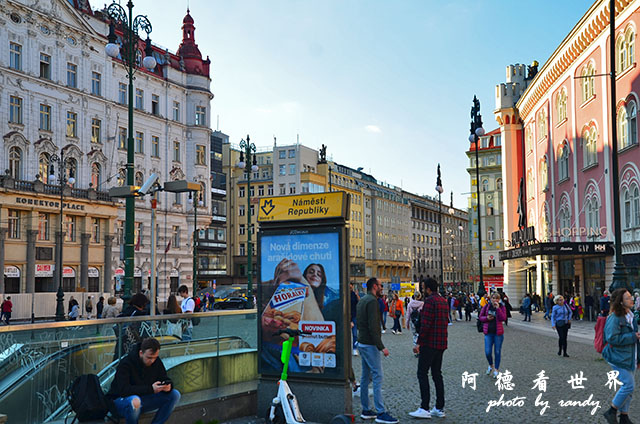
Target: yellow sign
pixel 305 206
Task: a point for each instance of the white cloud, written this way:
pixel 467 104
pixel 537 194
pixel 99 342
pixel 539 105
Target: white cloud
pixel 373 129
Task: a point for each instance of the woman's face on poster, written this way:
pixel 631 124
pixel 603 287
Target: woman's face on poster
pixel 314 276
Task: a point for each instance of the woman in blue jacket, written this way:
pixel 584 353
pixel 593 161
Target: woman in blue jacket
pixel 621 352
pixel 561 322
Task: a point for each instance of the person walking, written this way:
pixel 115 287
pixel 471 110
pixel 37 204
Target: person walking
pixel 188 305
pixel 548 306
pixel 370 345
pixel 432 342
pixel 492 316
pixel 398 314
pixel 412 314
pixel 621 352
pixel 74 313
pixel 468 308
pixel 526 307
pixel 110 310
pixel 588 305
pixel 7 308
pixel 354 329
pixel 88 306
pixel 561 322
pixel 100 307
pixel 604 304
pixel 382 304
pixel 459 303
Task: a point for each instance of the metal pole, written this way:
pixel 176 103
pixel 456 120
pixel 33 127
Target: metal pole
pixel 481 282
pixel 441 255
pixel 59 241
pixel 153 287
pixel 619 271
pixel 195 242
pixel 130 201
pixel 249 246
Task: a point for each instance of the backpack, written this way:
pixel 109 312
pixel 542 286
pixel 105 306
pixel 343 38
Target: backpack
pixel 415 319
pixel 87 399
pixel 598 341
pixel 197 307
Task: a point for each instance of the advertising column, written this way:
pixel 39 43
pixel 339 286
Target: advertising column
pixel 303 286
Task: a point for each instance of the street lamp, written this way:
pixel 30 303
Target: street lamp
pixel 461 228
pixel 248 152
pixel 62 164
pixel 193 194
pixel 439 189
pixel 130 27
pixel 619 271
pixel 476 132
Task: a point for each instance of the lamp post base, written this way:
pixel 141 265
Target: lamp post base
pixel 619 277
pixel 60 304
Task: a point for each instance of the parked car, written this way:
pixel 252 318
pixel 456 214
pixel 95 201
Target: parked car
pixel 231 303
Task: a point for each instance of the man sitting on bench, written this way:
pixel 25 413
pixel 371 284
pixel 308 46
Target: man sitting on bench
pixel 141 384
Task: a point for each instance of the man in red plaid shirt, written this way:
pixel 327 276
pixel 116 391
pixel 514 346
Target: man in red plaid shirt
pixel 432 342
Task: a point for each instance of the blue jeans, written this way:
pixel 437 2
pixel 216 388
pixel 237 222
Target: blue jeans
pixel 384 320
pixel 371 368
pixel 622 399
pixel 354 333
pixel 164 402
pixel 493 342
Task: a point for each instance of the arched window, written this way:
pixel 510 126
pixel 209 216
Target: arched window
pixel 589 149
pixel 631 46
pixel 542 124
pixel 563 162
pixel 588 82
pixel 623 127
pixel 633 122
pixel 499 184
pixel 71 170
pixel 43 166
pixel 627 209
pixel 565 224
pixel 139 179
pixel 485 185
pixel 96 171
pixel 491 234
pixel 621 49
pixel 561 105
pixel 15 162
pixel 544 174
pixel 544 224
pixel 592 209
pixel 635 199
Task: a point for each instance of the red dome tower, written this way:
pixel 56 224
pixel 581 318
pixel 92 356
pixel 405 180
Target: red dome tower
pixel 188 50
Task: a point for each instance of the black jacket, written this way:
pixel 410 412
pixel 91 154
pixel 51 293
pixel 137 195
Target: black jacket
pixel 134 378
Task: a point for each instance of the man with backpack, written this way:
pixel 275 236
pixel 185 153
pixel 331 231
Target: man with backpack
pixel 188 305
pixel 141 384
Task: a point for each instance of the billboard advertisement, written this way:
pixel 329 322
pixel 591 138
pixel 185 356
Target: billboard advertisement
pixel 300 288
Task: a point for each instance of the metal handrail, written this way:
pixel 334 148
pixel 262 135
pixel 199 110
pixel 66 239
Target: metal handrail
pixel 64 324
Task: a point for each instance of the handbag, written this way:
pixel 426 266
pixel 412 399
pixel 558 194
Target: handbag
pixel 479 325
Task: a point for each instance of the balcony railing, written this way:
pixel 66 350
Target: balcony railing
pixel 54 190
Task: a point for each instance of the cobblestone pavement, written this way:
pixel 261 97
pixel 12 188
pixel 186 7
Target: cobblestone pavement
pixel 528 349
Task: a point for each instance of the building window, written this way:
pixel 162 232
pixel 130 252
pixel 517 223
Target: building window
pixel 589 147
pixel 15 110
pixel 155 104
pixel 625 46
pixel 283 189
pixel 122 93
pixel 499 184
pixel 241 229
pixel 72 124
pixel 588 82
pixel 96 83
pixel 241 249
pixel 176 111
pixel 292 153
pixel 43 226
pixel 561 105
pixel 252 191
pixel 95 230
pixel 96 131
pixel 139 104
pixel 15 56
pixel 292 188
pixel 70 228
pixel 200 154
pixel 485 185
pixel 200 115
pixel 627 125
pixel 139 142
pixel 292 169
pixel 72 75
pixel 14 224
pixel 270 190
pixel 282 169
pixel 241 191
pixel 96 172
pixel 175 235
pixel 122 138
pixel 241 210
pixel 261 190
pixel 155 146
pixel 45 66
pixel 45 117
pixel 563 162
pixel 544 174
pixel 565 222
pixel 282 154
pixel 43 166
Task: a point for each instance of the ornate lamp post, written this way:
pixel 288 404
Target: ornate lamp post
pixel 476 132
pixel 248 152
pixel 439 189
pixel 62 164
pixel 130 26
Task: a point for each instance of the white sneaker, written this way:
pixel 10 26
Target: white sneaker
pixel 435 412
pixel 384 331
pixel 495 374
pixel 420 413
pixel 489 370
pixel 393 331
pixel 355 352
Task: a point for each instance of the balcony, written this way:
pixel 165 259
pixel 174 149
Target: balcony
pixel 38 186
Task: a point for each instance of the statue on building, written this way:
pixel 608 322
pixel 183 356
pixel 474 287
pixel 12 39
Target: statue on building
pixel 532 70
pixel 522 208
pixel 323 154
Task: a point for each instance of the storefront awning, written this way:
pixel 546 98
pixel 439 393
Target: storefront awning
pixel 558 249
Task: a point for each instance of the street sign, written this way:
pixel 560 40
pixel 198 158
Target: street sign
pixel 303 207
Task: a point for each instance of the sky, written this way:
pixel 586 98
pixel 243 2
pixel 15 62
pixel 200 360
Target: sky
pixel 386 85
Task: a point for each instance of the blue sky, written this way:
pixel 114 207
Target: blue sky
pixel 386 85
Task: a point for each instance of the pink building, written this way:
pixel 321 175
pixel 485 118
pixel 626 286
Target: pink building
pixel 556 132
